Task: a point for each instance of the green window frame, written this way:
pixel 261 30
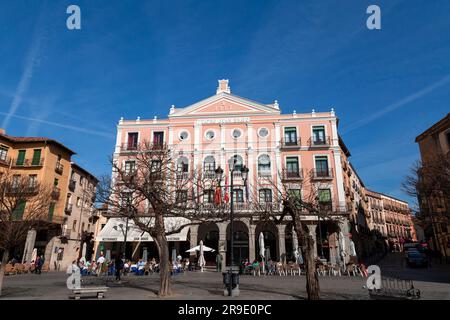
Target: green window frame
pixel 21 157
pixel 36 157
pixel 51 210
pixel 324 196
pixel 18 211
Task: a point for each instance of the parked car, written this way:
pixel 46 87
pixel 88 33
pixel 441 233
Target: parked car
pixel 416 259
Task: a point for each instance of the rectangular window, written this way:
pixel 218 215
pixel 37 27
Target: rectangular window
pixel 55 182
pixel 21 158
pixel 3 153
pixel 36 157
pixel 82 227
pixel 290 135
pixel 17 213
pixel 265 196
pixel 322 166
pixel 16 181
pixel 208 196
pixel 32 180
pixel 319 135
pixel 182 196
pixel 51 210
pixel 74 224
pixel 295 197
pixel 238 195
pixel 130 167
pixel 324 196
pixel 132 141
pixel 292 167
pixel 158 138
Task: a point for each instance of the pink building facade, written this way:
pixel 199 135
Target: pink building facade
pixel 280 150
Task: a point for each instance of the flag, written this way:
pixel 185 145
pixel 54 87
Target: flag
pixel 226 197
pixel 218 196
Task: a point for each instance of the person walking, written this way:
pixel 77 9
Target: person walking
pixel 118 265
pixel 218 262
pixel 36 265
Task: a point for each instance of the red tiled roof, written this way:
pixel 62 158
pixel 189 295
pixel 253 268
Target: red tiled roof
pixel 35 139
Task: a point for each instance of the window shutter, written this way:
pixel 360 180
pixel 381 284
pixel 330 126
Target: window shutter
pixel 51 209
pixel 17 213
pixel 20 158
pixel 36 157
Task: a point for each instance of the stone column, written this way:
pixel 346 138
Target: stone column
pixel 223 243
pixel 193 239
pixel 312 232
pixel 29 246
pixel 251 242
pixel 281 240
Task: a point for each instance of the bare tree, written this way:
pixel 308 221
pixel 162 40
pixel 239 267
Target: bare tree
pixel 24 205
pixel 156 186
pixel 291 206
pixel 429 183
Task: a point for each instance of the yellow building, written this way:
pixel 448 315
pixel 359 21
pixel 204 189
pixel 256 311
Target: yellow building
pixel 45 161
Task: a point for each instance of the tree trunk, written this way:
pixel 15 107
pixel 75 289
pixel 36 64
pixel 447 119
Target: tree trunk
pixel 312 279
pixel 2 268
pixel 307 245
pixel 164 272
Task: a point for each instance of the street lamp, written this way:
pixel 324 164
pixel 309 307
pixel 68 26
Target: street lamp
pixel 244 171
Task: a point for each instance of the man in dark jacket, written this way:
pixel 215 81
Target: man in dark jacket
pixel 118 265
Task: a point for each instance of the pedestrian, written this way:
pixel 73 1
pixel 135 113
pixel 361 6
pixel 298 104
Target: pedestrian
pixel 100 261
pixel 118 265
pixel 218 262
pixel 36 265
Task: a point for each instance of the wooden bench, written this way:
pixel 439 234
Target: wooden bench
pixel 97 291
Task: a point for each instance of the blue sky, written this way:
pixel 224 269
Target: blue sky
pixel 136 58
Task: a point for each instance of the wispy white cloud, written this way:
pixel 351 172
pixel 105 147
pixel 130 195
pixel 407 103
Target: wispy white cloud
pixel 65 126
pixel 384 111
pixel 31 61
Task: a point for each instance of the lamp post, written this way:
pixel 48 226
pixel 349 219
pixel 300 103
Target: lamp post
pixel 125 236
pixel 219 171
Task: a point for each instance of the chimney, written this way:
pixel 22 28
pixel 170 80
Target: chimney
pixel 2 131
pixel 223 87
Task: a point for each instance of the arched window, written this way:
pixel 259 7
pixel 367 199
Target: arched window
pixel 209 164
pixel 183 164
pixel 263 164
pixel 237 161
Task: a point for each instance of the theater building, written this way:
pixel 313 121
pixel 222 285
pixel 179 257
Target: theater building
pixel 279 149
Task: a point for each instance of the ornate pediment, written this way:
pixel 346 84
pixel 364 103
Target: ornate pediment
pixel 223 104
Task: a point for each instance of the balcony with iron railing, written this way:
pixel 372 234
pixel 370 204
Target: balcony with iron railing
pixel 68 209
pixel 264 173
pixel 292 174
pixel 315 142
pixel 26 163
pixel 72 185
pixel 56 192
pixel 124 147
pixel 59 168
pixel 322 174
pixel 5 161
pixel 20 189
pixel 209 174
pixel 290 143
pixel 182 175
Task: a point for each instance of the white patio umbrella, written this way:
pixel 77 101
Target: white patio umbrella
pixel 34 255
pixel 197 248
pixel 201 259
pixel 342 247
pixel 174 255
pixel 261 248
pixel 83 253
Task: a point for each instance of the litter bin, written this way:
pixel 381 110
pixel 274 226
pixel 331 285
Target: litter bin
pixel 231 276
